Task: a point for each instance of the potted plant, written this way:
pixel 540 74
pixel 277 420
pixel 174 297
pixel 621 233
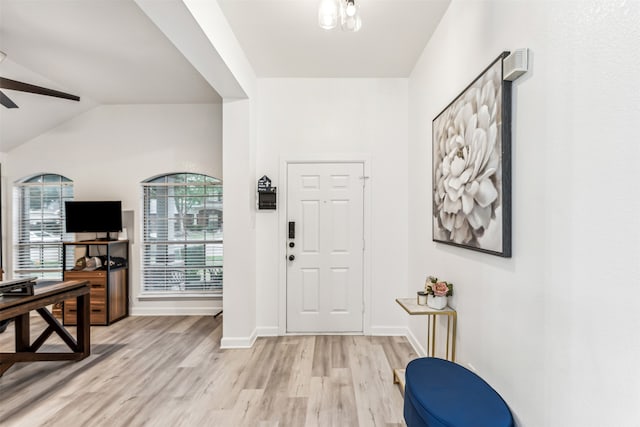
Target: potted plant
pixel 437 292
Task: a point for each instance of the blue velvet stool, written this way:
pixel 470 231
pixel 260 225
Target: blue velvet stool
pixel 439 393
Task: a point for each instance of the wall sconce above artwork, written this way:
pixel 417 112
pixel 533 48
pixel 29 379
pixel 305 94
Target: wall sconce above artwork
pixel 516 64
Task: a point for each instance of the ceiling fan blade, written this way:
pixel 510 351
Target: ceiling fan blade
pixel 4 100
pixel 26 87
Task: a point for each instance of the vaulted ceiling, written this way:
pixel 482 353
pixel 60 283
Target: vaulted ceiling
pixel 105 51
pixel 109 52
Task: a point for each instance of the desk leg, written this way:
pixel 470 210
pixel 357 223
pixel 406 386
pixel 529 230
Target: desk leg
pixel 23 337
pixel 84 325
pixel 23 340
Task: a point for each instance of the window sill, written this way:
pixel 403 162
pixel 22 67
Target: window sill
pixel 149 296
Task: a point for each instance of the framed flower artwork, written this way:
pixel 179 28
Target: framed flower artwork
pixel 472 166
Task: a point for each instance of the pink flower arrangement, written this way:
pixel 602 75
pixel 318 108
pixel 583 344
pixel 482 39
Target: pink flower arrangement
pixel 438 288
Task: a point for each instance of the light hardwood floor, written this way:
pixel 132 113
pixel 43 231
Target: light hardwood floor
pixel 170 371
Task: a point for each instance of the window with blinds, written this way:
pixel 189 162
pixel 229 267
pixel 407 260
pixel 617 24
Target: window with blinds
pixel 182 235
pixel 39 226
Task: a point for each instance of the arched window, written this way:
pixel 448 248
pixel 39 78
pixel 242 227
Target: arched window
pixel 182 235
pixel 39 225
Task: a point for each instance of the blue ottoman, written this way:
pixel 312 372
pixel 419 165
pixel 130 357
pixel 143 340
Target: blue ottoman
pixel 439 393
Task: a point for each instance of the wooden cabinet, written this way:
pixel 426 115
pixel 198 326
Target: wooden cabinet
pixel 109 284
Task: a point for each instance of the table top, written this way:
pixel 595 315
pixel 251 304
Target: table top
pixel 42 290
pixel 411 306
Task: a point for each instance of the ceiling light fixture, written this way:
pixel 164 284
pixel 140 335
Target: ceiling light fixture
pixel 345 11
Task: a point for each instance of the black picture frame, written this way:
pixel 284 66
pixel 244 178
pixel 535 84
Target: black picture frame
pixel 471 166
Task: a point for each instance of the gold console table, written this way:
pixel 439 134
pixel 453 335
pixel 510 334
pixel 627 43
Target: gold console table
pixel 411 306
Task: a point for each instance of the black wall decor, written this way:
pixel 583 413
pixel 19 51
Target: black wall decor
pixel 267 199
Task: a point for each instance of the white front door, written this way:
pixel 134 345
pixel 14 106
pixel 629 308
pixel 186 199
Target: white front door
pixel 324 265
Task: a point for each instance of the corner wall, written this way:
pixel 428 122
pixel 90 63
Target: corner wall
pixel 239 326
pixel 203 35
pixel 108 151
pixel 555 328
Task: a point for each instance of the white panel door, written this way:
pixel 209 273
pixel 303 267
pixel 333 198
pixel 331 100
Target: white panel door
pixel 324 266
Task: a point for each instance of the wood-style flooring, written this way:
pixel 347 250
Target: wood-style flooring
pixel 170 371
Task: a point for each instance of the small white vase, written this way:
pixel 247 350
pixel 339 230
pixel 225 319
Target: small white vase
pixel 435 302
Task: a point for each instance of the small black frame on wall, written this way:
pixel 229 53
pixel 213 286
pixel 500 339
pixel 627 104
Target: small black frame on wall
pixel 267 195
pixel 472 166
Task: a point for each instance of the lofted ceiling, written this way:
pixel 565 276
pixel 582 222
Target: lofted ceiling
pixel 109 52
pixel 105 51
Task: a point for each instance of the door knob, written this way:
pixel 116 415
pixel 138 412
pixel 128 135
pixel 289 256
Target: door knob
pixel 292 257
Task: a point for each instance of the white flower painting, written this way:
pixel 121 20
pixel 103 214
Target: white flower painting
pixel 471 167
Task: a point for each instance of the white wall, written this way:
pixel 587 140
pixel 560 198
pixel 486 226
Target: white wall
pixel 304 118
pixel 200 31
pixel 109 150
pixel 3 211
pixel 239 326
pixel 555 328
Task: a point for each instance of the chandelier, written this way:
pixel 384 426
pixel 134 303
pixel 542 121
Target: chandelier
pixel 344 11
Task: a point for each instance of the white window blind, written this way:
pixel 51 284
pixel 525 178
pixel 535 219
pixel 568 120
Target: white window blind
pixel 182 235
pixel 39 225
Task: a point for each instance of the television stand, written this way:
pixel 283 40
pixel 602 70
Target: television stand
pixel 109 284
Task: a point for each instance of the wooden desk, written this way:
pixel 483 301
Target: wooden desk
pixel 411 306
pixel 19 307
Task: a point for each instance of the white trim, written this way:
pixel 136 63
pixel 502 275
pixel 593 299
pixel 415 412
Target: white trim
pixel 318 334
pixel 285 160
pixel 239 342
pixel 175 311
pixel 158 296
pixel 267 331
pixel 420 351
pixel 389 331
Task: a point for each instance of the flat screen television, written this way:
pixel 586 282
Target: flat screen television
pixel 93 217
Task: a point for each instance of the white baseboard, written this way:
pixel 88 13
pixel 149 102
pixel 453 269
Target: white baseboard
pixel 402 331
pixel 267 331
pixel 272 331
pixel 420 351
pixel 388 331
pixel 174 311
pixel 239 342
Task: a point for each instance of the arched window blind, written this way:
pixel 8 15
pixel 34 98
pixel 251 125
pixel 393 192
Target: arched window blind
pixel 39 225
pixel 182 235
